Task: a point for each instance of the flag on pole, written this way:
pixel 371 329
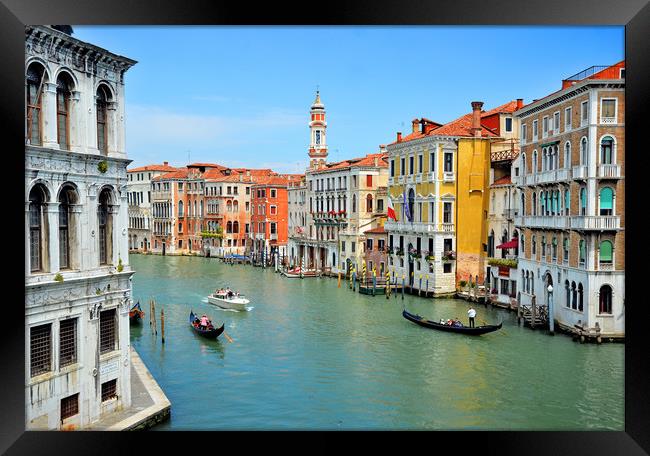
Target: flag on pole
pixel 391 209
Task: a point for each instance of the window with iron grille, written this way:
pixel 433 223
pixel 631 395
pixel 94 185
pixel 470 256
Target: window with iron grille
pixel 40 349
pixel 107 331
pixel 68 342
pixel 69 406
pixel 109 390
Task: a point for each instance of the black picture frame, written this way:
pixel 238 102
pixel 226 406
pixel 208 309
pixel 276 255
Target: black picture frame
pixel 633 14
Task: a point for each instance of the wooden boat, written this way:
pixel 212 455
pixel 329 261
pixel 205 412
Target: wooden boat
pixel 295 273
pixel 136 314
pixel 225 301
pixel 476 331
pixel 211 332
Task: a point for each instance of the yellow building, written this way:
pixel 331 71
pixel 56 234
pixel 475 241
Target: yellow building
pixel 439 182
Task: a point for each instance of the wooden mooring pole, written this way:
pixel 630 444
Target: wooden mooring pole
pixel 162 324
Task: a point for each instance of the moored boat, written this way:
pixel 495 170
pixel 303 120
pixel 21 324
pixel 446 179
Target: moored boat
pixel 228 300
pixel 475 331
pixel 136 314
pixel 296 273
pixel 210 331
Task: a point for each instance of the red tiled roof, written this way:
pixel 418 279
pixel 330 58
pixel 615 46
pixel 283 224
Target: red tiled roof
pixel 378 230
pixel 368 160
pixel 505 180
pixel 152 168
pixel 178 174
pixel 461 126
pixel 206 165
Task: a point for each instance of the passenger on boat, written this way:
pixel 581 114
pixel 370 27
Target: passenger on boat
pixel 449 322
pixel 457 323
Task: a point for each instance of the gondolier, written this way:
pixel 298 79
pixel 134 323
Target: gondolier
pixel 471 313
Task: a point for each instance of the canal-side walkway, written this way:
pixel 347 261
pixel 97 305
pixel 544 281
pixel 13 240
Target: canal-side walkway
pixel 149 405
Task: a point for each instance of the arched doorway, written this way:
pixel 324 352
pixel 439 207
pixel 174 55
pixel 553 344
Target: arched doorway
pixel 163 248
pixel 548 280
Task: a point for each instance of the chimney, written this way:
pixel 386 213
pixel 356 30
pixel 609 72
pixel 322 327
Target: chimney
pixel 165 163
pixel 414 125
pixel 422 126
pixel 399 136
pixel 520 103
pixel 476 118
pixel 376 162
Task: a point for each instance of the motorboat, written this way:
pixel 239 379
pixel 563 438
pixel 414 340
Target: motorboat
pixel 228 299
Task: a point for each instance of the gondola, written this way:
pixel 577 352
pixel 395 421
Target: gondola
pixel 476 331
pixel 136 314
pixel 211 332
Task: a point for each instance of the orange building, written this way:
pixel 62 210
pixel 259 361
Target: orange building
pixel 270 218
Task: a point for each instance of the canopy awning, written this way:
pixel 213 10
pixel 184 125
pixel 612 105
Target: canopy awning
pixel 511 244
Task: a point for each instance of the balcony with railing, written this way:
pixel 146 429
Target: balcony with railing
pixel 391 180
pixel 562 174
pixel 431 176
pixel 605 266
pixel 598 222
pixel 400 179
pixel 274 236
pixel 418 178
pixel 530 179
pixel 410 179
pixel 609 171
pixel 447 227
pixel 448 177
pixel 579 172
pixel 547 176
pixel 608 120
pixel 543 221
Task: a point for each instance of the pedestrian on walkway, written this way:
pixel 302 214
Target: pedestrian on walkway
pixel 471 313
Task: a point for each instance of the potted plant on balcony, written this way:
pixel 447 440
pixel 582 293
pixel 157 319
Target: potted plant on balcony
pixel 399 252
pixel 449 255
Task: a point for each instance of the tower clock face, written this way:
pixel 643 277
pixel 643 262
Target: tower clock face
pixel 317 136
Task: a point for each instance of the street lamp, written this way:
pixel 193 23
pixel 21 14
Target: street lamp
pixel 550 309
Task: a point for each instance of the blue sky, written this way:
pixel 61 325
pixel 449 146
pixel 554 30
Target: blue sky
pixel 240 96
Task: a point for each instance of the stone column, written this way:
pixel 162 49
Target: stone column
pixel 76 118
pixel 116 235
pixel 49 116
pixel 75 235
pixel 592 153
pixel 53 235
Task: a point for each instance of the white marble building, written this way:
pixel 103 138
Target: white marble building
pixel 77 277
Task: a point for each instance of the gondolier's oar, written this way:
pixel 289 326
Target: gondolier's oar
pixel 227 336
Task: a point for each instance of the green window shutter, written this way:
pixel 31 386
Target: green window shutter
pixel 567 199
pixel 606 251
pixel 583 197
pixel 606 198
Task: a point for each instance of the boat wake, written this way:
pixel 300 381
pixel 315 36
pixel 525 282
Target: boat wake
pixel 205 300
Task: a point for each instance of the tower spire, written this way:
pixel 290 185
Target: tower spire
pixel 317 127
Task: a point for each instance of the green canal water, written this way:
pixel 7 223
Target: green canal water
pixel 310 355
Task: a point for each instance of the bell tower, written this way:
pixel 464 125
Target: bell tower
pixel 317 127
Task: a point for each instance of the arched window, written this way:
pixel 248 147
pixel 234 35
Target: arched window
pixel 229 206
pixel 574 294
pixel 605 300
pixel 543 247
pixel 606 150
pixel 534 245
pixel 229 227
pixel 554 249
pixel 67 197
pixel 582 250
pixel 606 250
pixel 35 80
pixel 522 243
pixel 567 155
pixel 194 212
pixel 580 297
pixel 567 201
pixel 544 159
pixel 568 293
pixel 583 151
pixel 37 234
pixel 527 283
pixel 235 227
pixel 606 201
pixel 102 119
pixel 583 201
pixel 235 206
pixel 565 249
pixel 523 204
pixel 534 204
pixel 411 211
pixel 105 228
pixel 354 203
pixel 180 209
pixel 369 203
pixel 63 93
pixel 504 239
pixel 523 165
pixel 534 170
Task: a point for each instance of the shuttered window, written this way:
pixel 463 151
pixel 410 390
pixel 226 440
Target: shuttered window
pixel 606 201
pixel 606 252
